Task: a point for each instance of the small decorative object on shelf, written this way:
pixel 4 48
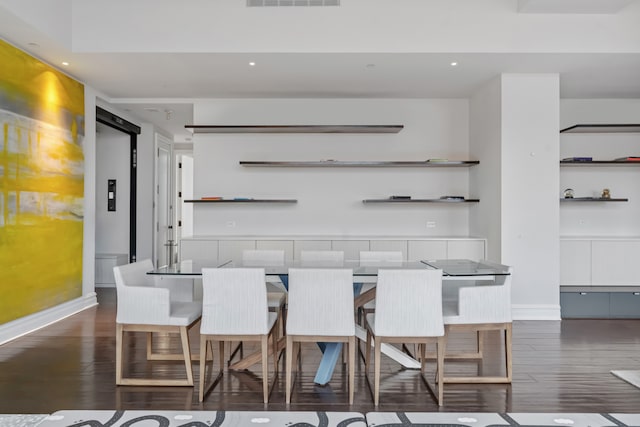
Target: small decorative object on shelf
pixel 568 193
pixel 605 194
pixel 628 159
pixel 444 199
pixel 578 159
pixel 400 197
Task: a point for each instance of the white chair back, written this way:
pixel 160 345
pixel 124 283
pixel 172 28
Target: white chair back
pixel 134 274
pixel 322 258
pixel 485 303
pixel 320 302
pixel 139 301
pixel 262 258
pixel 234 301
pixel 409 303
pixel 380 258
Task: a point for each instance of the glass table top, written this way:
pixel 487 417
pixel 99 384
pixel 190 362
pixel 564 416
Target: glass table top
pixel 465 267
pixel 451 267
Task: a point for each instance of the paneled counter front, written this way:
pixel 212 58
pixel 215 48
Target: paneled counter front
pixel 203 248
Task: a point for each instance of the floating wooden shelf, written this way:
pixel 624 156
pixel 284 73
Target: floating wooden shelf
pixel 421 201
pixel 602 128
pixel 591 199
pixel 242 201
pixel 353 163
pixel 599 162
pixel 295 128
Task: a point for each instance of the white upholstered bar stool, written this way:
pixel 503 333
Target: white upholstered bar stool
pixel 143 307
pixel 320 310
pixel 482 306
pixel 408 310
pixel 234 307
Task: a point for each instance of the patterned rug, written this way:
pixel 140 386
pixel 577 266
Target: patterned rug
pixel 632 377
pixel 470 419
pixel 314 419
pixel 201 419
pixel 21 420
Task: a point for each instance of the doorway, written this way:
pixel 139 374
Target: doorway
pixel 164 237
pixel 116 185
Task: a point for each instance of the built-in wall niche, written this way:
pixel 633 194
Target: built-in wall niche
pixel 600 164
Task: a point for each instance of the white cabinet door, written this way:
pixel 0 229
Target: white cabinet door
pixel 615 262
pixel 465 249
pixel 351 248
pixel 231 250
pixel 199 250
pixel 427 249
pixel 389 245
pixel 283 245
pixel 575 263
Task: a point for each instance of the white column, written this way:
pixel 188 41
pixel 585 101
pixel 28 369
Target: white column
pixel 529 191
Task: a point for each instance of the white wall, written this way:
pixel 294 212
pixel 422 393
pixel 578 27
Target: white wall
pixel 530 207
pixel 89 225
pixel 485 120
pixel 330 199
pixel 600 219
pixel 112 227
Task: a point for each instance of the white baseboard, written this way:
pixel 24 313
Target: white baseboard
pixel 535 312
pixel 17 328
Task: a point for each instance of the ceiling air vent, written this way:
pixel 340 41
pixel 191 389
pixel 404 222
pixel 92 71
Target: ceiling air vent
pixel 263 3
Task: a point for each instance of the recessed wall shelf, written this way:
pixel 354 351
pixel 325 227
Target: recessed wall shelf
pixel 242 201
pixel 421 201
pixel 591 199
pixel 602 128
pixel 340 163
pixel 295 128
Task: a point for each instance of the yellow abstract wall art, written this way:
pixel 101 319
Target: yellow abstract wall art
pixel 42 185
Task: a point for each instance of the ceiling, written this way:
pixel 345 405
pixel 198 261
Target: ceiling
pixel 162 87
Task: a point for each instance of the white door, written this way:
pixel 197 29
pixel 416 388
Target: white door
pixel 164 238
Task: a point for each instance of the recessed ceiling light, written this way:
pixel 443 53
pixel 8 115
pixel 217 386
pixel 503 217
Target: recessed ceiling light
pixel 454 64
pixel 253 64
pixel 65 63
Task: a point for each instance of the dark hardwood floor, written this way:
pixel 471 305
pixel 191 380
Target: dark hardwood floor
pixel 559 366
